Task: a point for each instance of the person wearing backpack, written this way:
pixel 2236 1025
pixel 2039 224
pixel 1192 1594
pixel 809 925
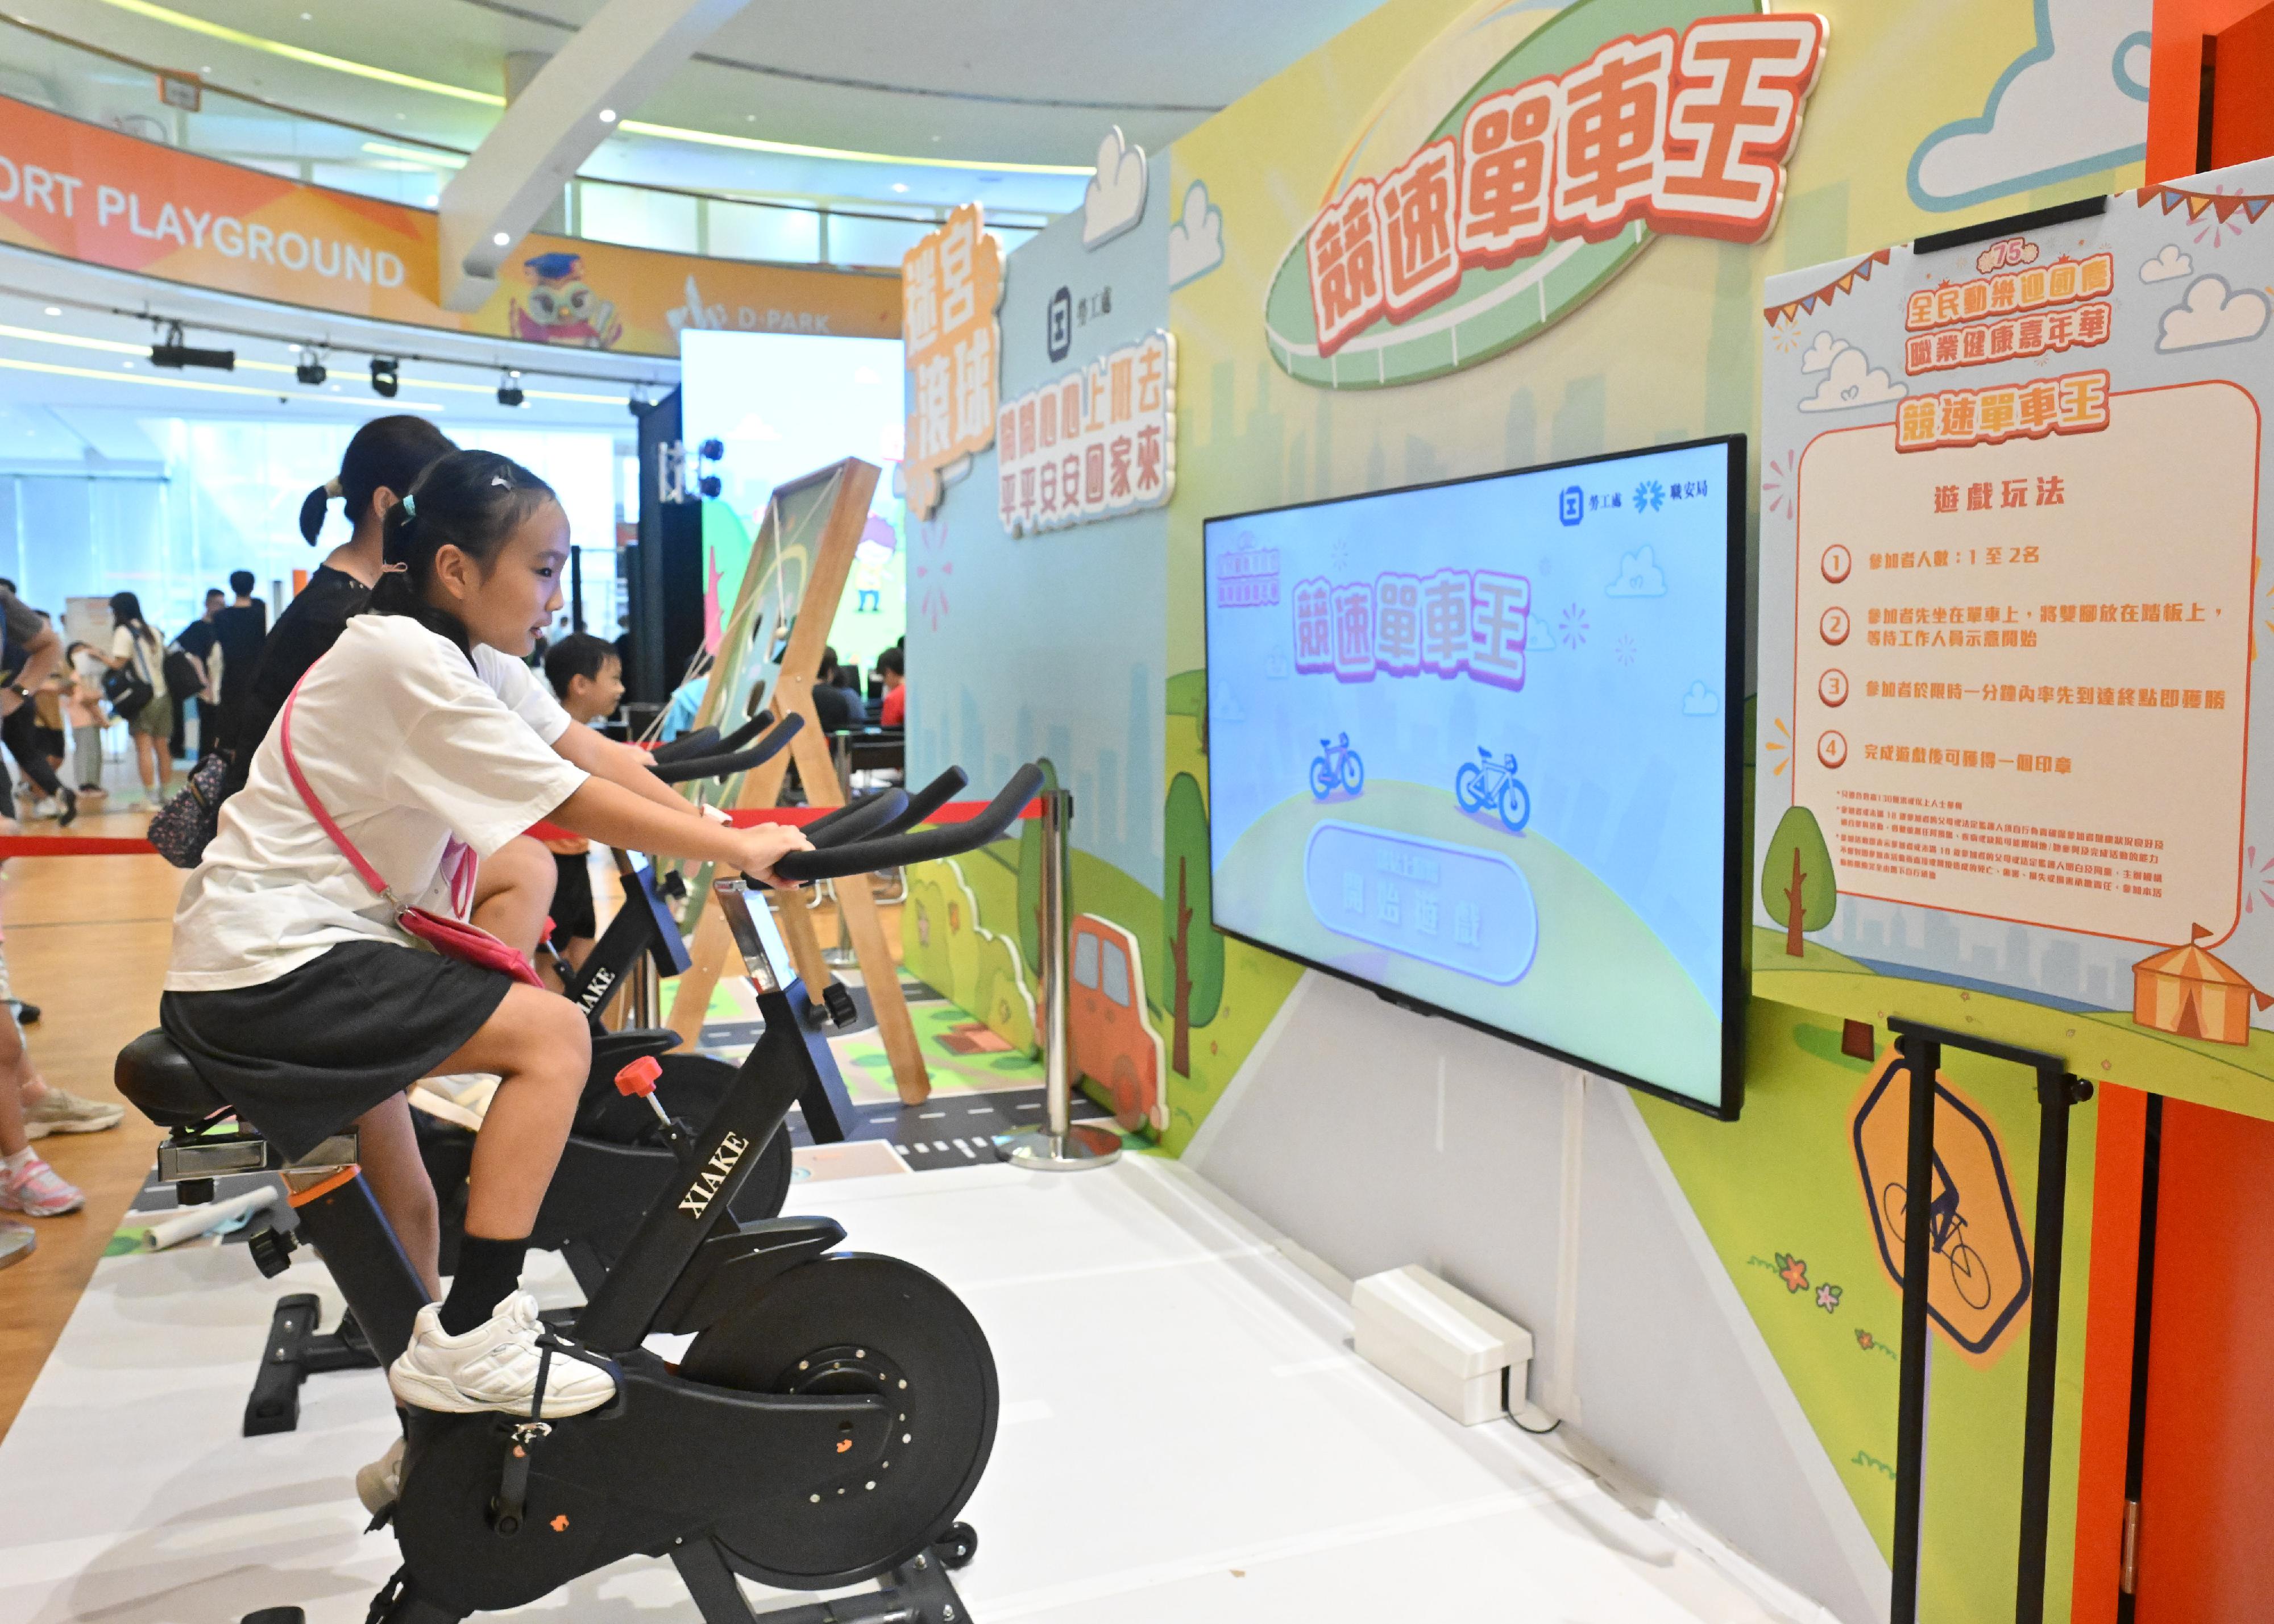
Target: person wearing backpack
pixel 136 693
pixel 192 671
pixel 32 650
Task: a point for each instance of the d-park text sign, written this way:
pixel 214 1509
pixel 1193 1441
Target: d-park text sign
pixel 1541 183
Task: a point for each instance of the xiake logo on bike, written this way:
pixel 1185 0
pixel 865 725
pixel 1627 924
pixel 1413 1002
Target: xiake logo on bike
pixel 1979 1258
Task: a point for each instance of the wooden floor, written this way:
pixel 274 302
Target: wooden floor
pixel 87 940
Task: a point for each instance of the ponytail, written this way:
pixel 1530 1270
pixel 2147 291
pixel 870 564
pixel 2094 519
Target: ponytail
pixel 314 506
pixel 387 454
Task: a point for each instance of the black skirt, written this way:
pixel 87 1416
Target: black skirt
pixel 304 1055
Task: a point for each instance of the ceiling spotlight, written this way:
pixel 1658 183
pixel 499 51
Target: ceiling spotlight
pixel 510 390
pixel 899 185
pixel 174 353
pixel 502 239
pixel 710 484
pixel 710 450
pixel 607 115
pixel 54 309
pixel 384 381
pixel 311 370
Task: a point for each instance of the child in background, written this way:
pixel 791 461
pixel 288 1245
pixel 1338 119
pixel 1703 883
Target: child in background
pixel 892 665
pixel 587 676
pixel 83 708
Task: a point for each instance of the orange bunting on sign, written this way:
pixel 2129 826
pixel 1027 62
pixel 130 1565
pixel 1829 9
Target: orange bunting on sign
pixel 1844 282
pixel 2224 205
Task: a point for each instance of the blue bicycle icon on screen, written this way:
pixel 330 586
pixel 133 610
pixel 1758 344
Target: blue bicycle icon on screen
pixel 1488 787
pixel 1337 767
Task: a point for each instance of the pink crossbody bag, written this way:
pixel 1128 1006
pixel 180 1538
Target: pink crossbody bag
pixel 454 938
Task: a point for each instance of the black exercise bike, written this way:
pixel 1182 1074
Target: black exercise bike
pixel 828 1423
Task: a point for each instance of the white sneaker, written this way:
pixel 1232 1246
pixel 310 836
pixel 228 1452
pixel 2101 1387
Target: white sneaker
pixel 493 1366
pixel 379 1484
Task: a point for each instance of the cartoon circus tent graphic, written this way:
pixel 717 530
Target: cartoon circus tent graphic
pixel 2194 993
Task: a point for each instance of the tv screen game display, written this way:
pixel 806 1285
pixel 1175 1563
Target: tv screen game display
pixel 1473 745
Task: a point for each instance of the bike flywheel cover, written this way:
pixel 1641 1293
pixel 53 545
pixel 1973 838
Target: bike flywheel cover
pixel 858 1323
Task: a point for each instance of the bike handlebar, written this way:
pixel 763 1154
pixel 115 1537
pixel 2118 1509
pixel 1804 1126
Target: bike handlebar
pixel 897 851
pixel 687 746
pixel 868 816
pixel 750 730
pixel 686 771
pixel 927 800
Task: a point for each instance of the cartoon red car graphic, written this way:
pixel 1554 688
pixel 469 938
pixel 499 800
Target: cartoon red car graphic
pixel 1113 1043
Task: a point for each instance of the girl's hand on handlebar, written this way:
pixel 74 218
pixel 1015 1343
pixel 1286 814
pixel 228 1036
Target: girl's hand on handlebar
pixel 765 845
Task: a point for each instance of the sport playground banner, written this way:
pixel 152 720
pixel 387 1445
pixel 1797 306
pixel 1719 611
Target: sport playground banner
pixel 88 194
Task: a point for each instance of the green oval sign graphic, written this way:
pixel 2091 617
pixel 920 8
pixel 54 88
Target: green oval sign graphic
pixel 1492 311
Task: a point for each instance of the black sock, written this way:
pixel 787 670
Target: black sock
pixel 488 1272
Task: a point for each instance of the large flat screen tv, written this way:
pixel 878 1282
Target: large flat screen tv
pixel 1475 745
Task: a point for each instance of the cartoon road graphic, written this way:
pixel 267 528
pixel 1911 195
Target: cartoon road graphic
pixel 1486 785
pixel 1336 766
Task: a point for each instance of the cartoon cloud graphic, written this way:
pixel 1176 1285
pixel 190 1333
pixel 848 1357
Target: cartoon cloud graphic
pixel 1821 352
pixel 2167 265
pixel 2075 104
pixel 2213 314
pixel 1115 199
pixel 1638 577
pixel 1196 241
pixel 1850 381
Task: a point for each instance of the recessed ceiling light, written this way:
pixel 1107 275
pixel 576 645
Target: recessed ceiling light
pixel 899 185
pixel 129 365
pixel 607 115
pixel 502 239
pixel 432 199
pixel 935 140
pixel 307 17
pixel 749 118
pixel 54 309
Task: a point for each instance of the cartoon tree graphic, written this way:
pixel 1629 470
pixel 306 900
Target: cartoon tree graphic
pixel 1798 884
pixel 1030 879
pixel 1196 949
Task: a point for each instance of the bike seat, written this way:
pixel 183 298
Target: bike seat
pixel 157 1080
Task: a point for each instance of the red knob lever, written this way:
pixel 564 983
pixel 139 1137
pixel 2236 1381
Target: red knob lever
pixel 639 1077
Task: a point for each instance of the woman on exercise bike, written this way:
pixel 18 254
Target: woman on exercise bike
pixel 299 994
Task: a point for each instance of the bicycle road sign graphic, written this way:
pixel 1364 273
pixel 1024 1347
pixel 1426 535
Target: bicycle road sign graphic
pixel 1979 1273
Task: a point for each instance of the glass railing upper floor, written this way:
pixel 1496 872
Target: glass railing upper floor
pixel 746 205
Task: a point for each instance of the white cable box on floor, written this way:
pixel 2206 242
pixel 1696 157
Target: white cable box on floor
pixel 1445 1345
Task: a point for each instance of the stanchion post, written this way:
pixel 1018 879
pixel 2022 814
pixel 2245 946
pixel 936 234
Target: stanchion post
pixel 1922 1056
pixel 1062 1145
pixel 842 956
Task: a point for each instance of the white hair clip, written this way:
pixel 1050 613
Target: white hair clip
pixel 501 479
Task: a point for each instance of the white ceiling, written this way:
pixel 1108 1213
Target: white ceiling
pixel 1012 81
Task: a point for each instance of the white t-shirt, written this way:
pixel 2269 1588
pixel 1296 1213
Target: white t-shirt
pixel 143 653
pixel 406 744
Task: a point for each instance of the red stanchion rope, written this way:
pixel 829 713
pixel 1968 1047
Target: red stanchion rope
pixel 109 846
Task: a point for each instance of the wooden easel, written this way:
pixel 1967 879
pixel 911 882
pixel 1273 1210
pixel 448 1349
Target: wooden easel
pixel 828 564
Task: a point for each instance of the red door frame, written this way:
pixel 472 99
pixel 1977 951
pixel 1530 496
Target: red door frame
pixel 2175 136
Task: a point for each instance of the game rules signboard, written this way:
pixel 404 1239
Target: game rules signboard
pixel 2010 507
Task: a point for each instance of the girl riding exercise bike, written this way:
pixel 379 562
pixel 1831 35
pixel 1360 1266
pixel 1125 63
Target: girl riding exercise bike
pixel 296 989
